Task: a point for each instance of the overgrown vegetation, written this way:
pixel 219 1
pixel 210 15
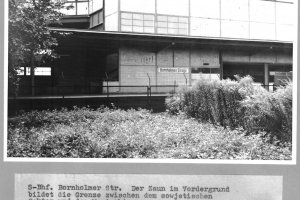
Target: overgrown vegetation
pixel 115 133
pixel 233 104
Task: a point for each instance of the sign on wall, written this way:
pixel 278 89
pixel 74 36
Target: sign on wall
pixel 135 57
pixel 181 70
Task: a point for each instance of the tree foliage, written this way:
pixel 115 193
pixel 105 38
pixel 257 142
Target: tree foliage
pixel 29 35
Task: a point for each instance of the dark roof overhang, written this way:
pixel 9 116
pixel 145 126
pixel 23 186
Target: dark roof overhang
pixel 113 40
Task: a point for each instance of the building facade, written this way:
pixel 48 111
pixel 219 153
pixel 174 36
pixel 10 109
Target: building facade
pixel 169 42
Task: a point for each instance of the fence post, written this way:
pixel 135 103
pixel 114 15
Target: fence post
pixel 149 96
pixel 107 89
pixel 185 79
pixel 149 79
pixel 174 87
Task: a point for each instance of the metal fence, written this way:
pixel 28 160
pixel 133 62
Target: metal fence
pixel 106 90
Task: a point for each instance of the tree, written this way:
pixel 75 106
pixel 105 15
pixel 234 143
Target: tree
pixel 29 35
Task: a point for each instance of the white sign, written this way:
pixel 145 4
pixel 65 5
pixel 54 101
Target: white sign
pixel 150 187
pixel 181 70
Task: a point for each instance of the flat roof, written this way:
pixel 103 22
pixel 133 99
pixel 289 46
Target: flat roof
pixel 109 39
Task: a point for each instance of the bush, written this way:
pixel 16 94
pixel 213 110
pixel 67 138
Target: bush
pixel 271 112
pixel 238 104
pixel 111 133
pixel 213 101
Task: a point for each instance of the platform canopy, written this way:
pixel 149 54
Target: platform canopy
pixel 106 41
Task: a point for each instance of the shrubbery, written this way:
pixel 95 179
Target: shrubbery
pixel 237 104
pixel 114 133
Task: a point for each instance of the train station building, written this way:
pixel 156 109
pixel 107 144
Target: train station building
pixel 128 43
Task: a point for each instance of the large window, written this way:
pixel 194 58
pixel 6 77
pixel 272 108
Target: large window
pixel 136 22
pixel 76 7
pixel 172 25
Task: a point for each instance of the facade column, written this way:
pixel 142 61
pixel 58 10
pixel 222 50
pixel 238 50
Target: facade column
pixel 266 78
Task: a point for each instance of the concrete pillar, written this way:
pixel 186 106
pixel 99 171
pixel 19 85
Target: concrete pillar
pixel 266 79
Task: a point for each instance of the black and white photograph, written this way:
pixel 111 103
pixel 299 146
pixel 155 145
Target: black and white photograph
pixel 154 80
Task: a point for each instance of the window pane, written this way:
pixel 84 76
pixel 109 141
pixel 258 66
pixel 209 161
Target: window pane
pixel 183 31
pixel 39 71
pixel 138 16
pixel 126 22
pixel 149 17
pixel 149 29
pixel 138 29
pixel 145 6
pixel 183 20
pixel 172 25
pixel 235 29
pixel 42 71
pixel 20 71
pixel 28 71
pixel 262 11
pixel 262 31
pixel 205 27
pixel 162 18
pixel 82 9
pixel 69 9
pixel 162 30
pixel 126 28
pixel 126 15
pixel 183 26
pixel 138 23
pixel 162 24
pixel 205 8
pixel 235 9
pixel 172 31
pixel 148 23
pixel 173 7
pixel 172 19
